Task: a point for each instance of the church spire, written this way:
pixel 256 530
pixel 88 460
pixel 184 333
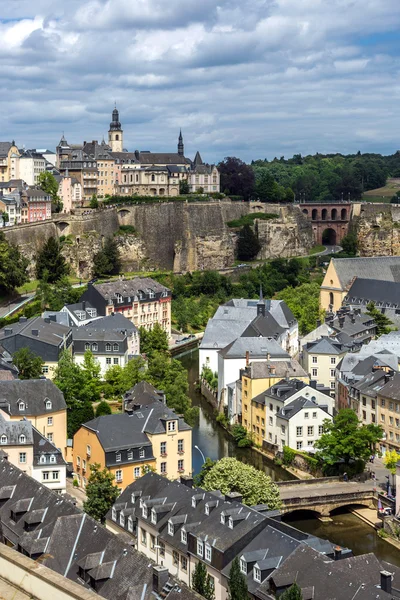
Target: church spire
pixel 261 304
pixel 180 144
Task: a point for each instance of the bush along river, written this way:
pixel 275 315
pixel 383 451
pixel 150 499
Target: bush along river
pixel 213 441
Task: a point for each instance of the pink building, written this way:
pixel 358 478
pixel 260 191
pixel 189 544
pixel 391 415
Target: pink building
pixel 39 204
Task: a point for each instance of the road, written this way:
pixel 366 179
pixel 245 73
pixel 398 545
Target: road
pixel 14 305
pixel 324 489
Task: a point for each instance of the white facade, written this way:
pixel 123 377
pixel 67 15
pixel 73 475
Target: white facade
pixel 208 181
pixel 300 431
pixel 51 475
pixel 106 360
pixel 30 167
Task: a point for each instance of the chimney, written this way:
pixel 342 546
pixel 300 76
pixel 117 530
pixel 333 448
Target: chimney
pixel 353 318
pixel 35 332
pixel 160 578
pixel 233 497
pixel 83 304
pixel 386 582
pixel 272 369
pixel 247 358
pixel 186 480
pixel 23 319
pixel 313 384
pixel 268 356
pixel 47 319
pixel 341 321
pixel 337 552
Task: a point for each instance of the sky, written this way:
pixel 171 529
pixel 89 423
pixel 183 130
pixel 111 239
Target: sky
pixel 247 78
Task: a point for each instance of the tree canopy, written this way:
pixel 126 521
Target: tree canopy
pixel 107 261
pixel 153 340
pixel 48 184
pixel 101 493
pixel 13 266
pixel 50 262
pixel 383 323
pixel 390 460
pixel 303 301
pixel 346 439
pixel 292 593
pixel 236 177
pixel 248 245
pixel 103 408
pixel 28 364
pixel 237 583
pixel 231 475
pixel 201 582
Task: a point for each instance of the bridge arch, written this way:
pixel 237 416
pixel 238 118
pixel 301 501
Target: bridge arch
pixel 334 214
pixel 300 514
pixel 124 212
pixel 329 236
pixel 314 214
pixel 324 214
pixel 305 211
pixel 62 228
pixel 343 214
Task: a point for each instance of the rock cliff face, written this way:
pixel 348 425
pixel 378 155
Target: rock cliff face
pixel 378 229
pixel 289 235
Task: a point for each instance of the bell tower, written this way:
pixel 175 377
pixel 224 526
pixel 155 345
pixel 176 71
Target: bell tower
pixel 115 133
pixel 180 144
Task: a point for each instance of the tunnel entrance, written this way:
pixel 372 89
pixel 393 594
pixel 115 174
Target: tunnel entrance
pixel 329 237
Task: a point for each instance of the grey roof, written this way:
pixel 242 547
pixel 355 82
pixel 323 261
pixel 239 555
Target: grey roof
pixel 14 429
pixel 277 368
pixel 391 389
pixel 284 389
pixel 383 293
pixel 57 316
pixel 325 346
pixel 256 347
pixel 42 447
pixel 97 334
pixel 131 287
pixel 5 148
pixel 381 268
pixel 142 394
pixel 48 332
pixel 164 158
pixel 278 308
pixel 264 326
pixel 113 322
pixel 34 393
pixel 292 408
pixel 125 430
pixel 219 332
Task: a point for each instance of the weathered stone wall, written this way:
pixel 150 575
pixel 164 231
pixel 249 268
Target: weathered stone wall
pixel 378 229
pixel 30 238
pixel 290 235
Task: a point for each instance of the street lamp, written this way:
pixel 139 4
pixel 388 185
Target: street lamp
pixel 202 455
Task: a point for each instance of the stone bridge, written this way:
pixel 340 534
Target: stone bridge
pixel 323 498
pixel 330 222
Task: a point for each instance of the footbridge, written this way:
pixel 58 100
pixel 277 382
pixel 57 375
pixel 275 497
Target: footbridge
pixel 323 496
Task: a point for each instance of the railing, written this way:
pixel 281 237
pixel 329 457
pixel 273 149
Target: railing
pixel 331 498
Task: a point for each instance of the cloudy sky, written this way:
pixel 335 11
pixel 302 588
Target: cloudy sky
pixel 251 78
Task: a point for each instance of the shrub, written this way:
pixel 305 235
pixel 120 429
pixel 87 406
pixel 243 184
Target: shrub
pixel 249 219
pixel 288 455
pixel 75 483
pixel 383 534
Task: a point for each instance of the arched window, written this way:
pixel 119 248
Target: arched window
pixel 22 439
pixel 87 346
pixel 343 214
pixel 331 298
pixel 3 439
pixel 94 347
pixel 21 405
pixel 48 404
pixel 108 347
pixel 117 137
pixel 153 177
pixel 324 214
pixel 42 459
pixel 116 347
pixel 314 214
pixel 334 214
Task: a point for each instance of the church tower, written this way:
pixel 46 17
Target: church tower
pixel 180 144
pixel 115 133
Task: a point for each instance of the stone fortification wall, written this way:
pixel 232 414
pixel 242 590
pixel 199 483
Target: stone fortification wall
pixel 378 229
pixel 289 235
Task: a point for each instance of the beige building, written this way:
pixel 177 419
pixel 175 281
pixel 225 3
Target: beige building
pixel 388 411
pixel 153 438
pixel 31 165
pixel 9 161
pixel 70 192
pixel 319 360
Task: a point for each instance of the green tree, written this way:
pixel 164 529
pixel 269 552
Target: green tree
pixel 237 582
pixel 383 323
pixel 390 460
pixel 201 582
pixel 237 178
pixel 50 260
pixel 91 370
pixel 28 364
pixel 248 245
pixel 5 217
pixel 71 380
pixel 231 475
pixel 292 593
pixel 101 493
pixel 107 261
pixel 350 244
pixel 205 468
pixel 94 203
pixel 76 416
pixel 48 183
pixel 289 195
pixel 303 301
pixel 153 340
pixel 103 408
pixel 184 187
pixel 346 439
pixel 13 266
pixel 241 436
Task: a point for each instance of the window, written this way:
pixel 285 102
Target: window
pixel 118 476
pixel 152 542
pixel 162 548
pixel 315 360
pixel 314 415
pixel 116 347
pixel 88 450
pixel 364 401
pixel 94 347
pixel 391 420
pixel 163 468
pixel 45 369
pixel 130 524
pixel 78 461
pixel 320 429
pixel 144 537
pixel 141 453
pixel 180 445
pixel 145 511
pixel 271 407
pixel 373 404
pixel 50 437
pixel 56 475
pixel 87 346
pixel 332 372
pixel 333 360
pixel 163 448
pixel 46 477
pixel 314 372
pixel 184 563
pixel 48 404
pixel 383 418
pixel 390 405
pixel 21 405
pixel 383 403
pixel 199 548
pixel 175 558
pixel 49 421
pixel 283 428
pixel 22 457
pixel 118 457
pixel 299 445
pixel 207 552
pixel 171 425
pixel 257 574
pixel 243 566
pixel 332 385
pixel 108 360
pixel 364 415
pixel 108 347
pixel 271 421
pixel 183 536
pixel 299 431
pixel 22 439
pixel 170 528
pixel 136 472
pixel 116 360
pixel 52 458
pixel 310 430
pixel 180 465
pixel 306 414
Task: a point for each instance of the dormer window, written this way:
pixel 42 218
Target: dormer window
pixel 257 574
pixel 151 294
pixel 114 513
pixel 230 523
pixel 130 524
pixel 92 312
pixel 200 547
pixel 243 566
pixel 153 516
pixel 119 298
pixel 87 346
pixel 108 347
pixel 94 347
pixel 171 425
pixel 21 405
pixel 116 347
pixel 122 520
pixel 183 536
pixel 52 458
pixel 171 530
pixel 141 453
pixel 22 439
pixel 222 519
pixel 145 512
pixel 3 439
pixel 48 404
pixel 42 459
pixel 118 457
pixel 130 454
pixel 207 552
pixel 207 509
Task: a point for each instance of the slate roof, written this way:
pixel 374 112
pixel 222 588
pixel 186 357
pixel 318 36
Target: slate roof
pixel 291 409
pixel 325 346
pixel 284 389
pixel 256 347
pixel 391 389
pixel 383 293
pixel 278 308
pixel 264 369
pixel 51 333
pixel 264 326
pixel 163 158
pixel 129 287
pixel 142 394
pixel 34 393
pixel 5 148
pixel 97 334
pixel 43 447
pixel 113 322
pixel 379 268
pixel 14 429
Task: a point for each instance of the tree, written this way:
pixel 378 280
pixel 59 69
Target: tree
pixel 237 582
pixel 231 475
pixel 50 260
pixel 248 245
pixel 48 183
pixel 13 266
pixel 103 408
pixel 241 436
pixel 5 217
pixel 201 581
pixel 303 301
pixel 91 372
pixel 237 178
pixel 94 203
pixel 101 493
pixel 107 261
pixel 71 380
pixel 345 439
pixel 76 416
pixel 289 195
pixel 292 593
pixel 28 364
pixel 391 459
pixel 184 187
pixel 155 340
pixel 205 468
pixel 382 322
pixel 350 244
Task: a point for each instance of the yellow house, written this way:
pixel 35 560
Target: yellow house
pixel 9 161
pixel 256 378
pixel 153 437
pixel 320 359
pixel 39 401
pixel 342 272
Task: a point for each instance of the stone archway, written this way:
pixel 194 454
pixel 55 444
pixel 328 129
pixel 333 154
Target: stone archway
pixel 329 236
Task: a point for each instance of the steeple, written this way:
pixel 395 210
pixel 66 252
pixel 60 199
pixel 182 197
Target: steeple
pixel 197 159
pixel 115 133
pixel 261 304
pixel 180 144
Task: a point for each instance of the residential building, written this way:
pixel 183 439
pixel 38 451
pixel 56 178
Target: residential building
pixel 128 443
pixel 31 165
pixel 8 371
pixel 388 413
pixel 269 318
pixel 9 161
pixel 116 322
pixel 29 450
pixel 80 166
pixel 39 204
pixel 342 272
pixel 352 327
pixel 40 402
pixel 320 358
pixel 107 174
pixel 203 177
pixel 63 553
pixel 7 187
pixel 78 314
pixel 109 347
pixel 44 337
pixel 384 294
pixel 70 191
pixel 142 300
pixel 15 207
pixel 141 395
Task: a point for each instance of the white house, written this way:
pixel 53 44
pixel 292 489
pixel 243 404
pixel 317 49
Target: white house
pixel 109 348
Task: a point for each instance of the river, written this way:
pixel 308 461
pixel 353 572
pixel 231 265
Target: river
pixel 344 529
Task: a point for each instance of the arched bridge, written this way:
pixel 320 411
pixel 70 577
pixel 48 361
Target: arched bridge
pixel 330 222
pixel 323 498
